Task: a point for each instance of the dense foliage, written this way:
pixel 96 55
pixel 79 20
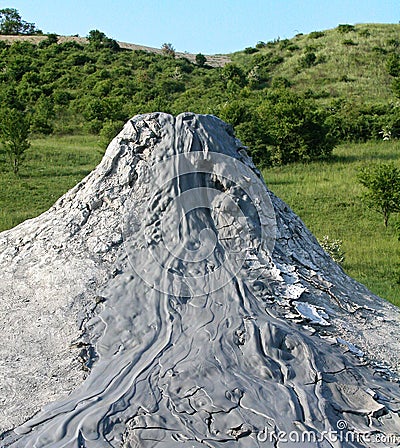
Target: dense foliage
pixel 94 87
pixel 11 23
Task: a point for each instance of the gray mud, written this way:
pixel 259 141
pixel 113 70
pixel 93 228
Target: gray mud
pixel 191 307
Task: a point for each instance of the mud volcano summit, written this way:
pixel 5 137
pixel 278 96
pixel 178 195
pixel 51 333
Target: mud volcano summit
pixel 170 299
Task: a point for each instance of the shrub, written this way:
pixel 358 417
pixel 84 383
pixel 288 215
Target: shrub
pixel 280 82
pixel 232 72
pixel 345 28
pixel 267 60
pixel 286 128
pixel 352 121
pixel 41 120
pixel 394 42
pixel 97 39
pixel 250 50
pixel 393 65
pixel 50 40
pixel 316 34
pixel 168 50
pixel 396 87
pixel 364 33
pixel 308 60
pixel 333 248
pixel 292 47
pixel 349 43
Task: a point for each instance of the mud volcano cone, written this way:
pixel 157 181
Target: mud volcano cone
pixel 170 300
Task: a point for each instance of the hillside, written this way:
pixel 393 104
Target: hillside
pixel 347 61
pixel 217 60
pixel 346 80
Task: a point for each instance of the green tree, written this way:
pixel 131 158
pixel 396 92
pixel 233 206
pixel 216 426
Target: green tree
pixel 14 134
pixel 201 60
pixel 168 50
pixel 383 189
pixel 97 39
pixel 12 23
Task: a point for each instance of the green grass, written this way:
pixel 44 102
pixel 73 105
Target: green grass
pixel 356 72
pixel 325 195
pixel 53 165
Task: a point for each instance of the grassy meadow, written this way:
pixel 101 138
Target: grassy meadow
pixel 53 165
pixel 325 195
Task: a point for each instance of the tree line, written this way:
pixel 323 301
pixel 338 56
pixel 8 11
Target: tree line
pixel 94 88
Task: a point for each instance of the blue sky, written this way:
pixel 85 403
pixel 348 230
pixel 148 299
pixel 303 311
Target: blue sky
pixel 206 26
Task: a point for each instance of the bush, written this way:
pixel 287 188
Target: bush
pixel 168 50
pixel 286 128
pixel 345 28
pixel 250 50
pixel 308 60
pixel 316 34
pixel 333 248
pixel 97 39
pixel 396 87
pixel 351 121
pixel 364 33
pixel 41 120
pixel 349 43
pixel 234 73
pixel 393 65
pixel 50 40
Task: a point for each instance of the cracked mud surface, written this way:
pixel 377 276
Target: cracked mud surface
pixel 169 299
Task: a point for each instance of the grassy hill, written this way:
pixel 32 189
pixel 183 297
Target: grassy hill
pixel 350 62
pixel 337 86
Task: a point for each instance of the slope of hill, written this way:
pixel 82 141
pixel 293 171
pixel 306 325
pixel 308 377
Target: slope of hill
pixel 347 61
